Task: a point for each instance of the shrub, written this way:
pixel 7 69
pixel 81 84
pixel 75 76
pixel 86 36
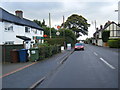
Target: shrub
pixel 41 53
pixel 105 36
pixel 48 51
pixel 55 41
pixel 114 43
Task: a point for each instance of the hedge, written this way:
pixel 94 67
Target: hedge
pixel 46 51
pixel 114 43
pixel 41 52
pixel 55 41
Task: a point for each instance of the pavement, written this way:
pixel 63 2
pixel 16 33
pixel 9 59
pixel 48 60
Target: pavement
pixel 16 75
pixel 14 67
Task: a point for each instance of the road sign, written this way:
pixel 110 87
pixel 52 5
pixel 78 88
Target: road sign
pixel 57 33
pixel 58 27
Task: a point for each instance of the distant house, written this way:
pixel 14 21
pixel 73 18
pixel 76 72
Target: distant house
pixel 97 39
pixel 110 26
pixel 113 28
pixel 14 29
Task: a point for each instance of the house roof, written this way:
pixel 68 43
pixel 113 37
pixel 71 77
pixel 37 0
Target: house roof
pixel 108 24
pixel 105 26
pixel 6 16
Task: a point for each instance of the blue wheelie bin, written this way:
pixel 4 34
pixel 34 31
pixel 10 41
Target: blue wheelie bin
pixel 23 55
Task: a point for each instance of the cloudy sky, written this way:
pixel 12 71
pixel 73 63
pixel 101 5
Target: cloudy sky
pixel 92 10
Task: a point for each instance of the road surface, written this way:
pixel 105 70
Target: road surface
pixel 96 67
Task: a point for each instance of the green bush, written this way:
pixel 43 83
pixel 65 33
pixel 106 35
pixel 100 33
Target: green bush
pixel 114 43
pixel 54 49
pixel 41 53
pixel 105 36
pixel 55 41
pixel 46 51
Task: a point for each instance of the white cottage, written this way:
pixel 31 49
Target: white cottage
pixel 109 26
pixel 14 29
pixel 114 29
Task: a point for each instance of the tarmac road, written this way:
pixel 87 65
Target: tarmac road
pixel 96 67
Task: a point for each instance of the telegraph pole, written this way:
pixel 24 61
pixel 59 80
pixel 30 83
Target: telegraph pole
pixel 118 11
pixel 50 24
pixel 64 31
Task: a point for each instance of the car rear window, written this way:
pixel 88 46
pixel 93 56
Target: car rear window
pixel 78 44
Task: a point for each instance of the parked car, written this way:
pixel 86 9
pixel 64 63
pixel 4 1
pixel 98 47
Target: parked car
pixel 79 46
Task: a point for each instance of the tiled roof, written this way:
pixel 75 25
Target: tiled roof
pixel 6 16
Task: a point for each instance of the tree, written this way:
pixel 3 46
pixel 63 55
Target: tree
pixel 68 35
pixel 77 23
pixel 38 22
pixel 43 23
pixel 46 28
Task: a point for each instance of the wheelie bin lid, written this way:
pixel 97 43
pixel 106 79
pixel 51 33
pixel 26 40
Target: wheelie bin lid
pixel 35 48
pixel 23 49
pixel 14 50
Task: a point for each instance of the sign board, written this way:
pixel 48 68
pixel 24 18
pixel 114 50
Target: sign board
pixel 69 46
pixel 62 48
pixel 57 33
pixel 58 27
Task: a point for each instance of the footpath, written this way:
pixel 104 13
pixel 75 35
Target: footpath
pixel 10 68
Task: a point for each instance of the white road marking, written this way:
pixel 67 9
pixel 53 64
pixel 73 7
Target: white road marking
pixel 107 63
pixel 95 53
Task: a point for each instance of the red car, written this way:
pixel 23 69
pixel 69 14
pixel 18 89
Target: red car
pixel 79 46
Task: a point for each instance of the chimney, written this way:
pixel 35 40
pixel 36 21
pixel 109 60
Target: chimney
pixel 101 27
pixel 109 22
pixel 19 13
pixel 97 29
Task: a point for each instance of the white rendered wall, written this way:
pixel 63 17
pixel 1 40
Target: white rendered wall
pixel 100 42
pixel 17 31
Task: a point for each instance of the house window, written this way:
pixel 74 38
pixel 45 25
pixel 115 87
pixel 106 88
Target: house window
pixel 112 31
pixel 9 43
pixel 36 31
pixel 27 29
pixel 8 27
pixel 118 33
pixel 118 28
pixel 40 32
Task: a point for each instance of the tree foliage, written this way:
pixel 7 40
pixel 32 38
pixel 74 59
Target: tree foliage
pixel 105 36
pixel 77 23
pixel 68 35
pixel 38 22
pixel 46 28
